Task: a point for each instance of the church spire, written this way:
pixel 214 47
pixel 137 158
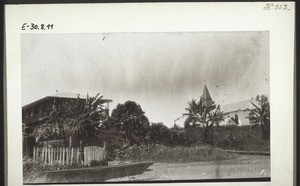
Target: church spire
pixel 205 94
pixel 207 101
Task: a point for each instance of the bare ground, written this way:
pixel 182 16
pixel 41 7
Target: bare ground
pixel 246 166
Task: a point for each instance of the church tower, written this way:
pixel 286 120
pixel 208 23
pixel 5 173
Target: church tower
pixel 207 101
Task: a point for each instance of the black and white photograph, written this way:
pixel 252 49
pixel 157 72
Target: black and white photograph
pixel 145 106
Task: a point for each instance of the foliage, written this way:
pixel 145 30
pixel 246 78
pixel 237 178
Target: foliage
pixel 205 116
pixel 176 127
pixel 161 153
pixel 94 163
pixel 159 134
pixel 130 120
pixel 115 143
pixel 33 166
pixel 261 115
pixel 245 138
pixel 77 118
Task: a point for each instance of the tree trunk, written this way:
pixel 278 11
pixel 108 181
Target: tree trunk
pixel 70 141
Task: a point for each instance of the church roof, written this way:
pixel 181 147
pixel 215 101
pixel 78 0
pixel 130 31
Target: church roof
pixel 205 94
pixel 241 105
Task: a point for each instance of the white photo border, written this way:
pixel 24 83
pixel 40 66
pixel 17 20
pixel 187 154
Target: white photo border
pixel 161 17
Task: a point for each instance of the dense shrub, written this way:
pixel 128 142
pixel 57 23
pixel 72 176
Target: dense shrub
pixel 162 135
pixel 246 138
pixel 94 163
pixel 160 153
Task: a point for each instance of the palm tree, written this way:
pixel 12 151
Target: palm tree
pixel 205 116
pixel 76 118
pixel 261 115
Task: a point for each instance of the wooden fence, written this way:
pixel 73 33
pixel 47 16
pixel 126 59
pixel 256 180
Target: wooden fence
pixel 68 156
pixel 94 153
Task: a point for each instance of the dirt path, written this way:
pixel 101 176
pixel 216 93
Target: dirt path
pixel 246 166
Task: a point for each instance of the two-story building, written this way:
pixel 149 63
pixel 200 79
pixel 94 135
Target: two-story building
pixel 35 113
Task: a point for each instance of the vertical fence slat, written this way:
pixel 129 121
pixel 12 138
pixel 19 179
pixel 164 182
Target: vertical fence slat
pixel 60 153
pixel 84 152
pixel 63 157
pixel 46 155
pixel 43 150
pixel 49 153
pixel 38 153
pixel 71 156
pixel 67 156
pixel 77 155
pixel 34 153
pixel 98 154
pixel 56 155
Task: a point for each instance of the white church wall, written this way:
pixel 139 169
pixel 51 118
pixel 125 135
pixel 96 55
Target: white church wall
pixel 242 118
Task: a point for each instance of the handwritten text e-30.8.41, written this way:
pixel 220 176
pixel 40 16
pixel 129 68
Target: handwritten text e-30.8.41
pixel 32 26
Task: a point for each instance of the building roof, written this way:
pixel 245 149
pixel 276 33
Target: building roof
pixel 241 105
pixel 205 94
pixel 67 95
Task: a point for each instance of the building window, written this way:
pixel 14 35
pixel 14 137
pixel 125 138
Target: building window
pixel 251 120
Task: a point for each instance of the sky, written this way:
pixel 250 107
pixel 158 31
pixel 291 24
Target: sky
pixel 159 71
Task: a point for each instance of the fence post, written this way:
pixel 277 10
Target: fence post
pixel 60 151
pixel 67 156
pixel 57 154
pixel 63 157
pixel 45 154
pixel 48 154
pixel 71 156
pixel 33 153
pixel 54 155
pixel 37 155
pixel 100 154
pixel 78 153
pixel 84 157
pixel 51 159
pixel 43 150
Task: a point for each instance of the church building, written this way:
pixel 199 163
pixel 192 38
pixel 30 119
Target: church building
pixel 235 113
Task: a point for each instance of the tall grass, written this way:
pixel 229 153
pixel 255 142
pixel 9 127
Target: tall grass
pixel 160 153
pixel 34 166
